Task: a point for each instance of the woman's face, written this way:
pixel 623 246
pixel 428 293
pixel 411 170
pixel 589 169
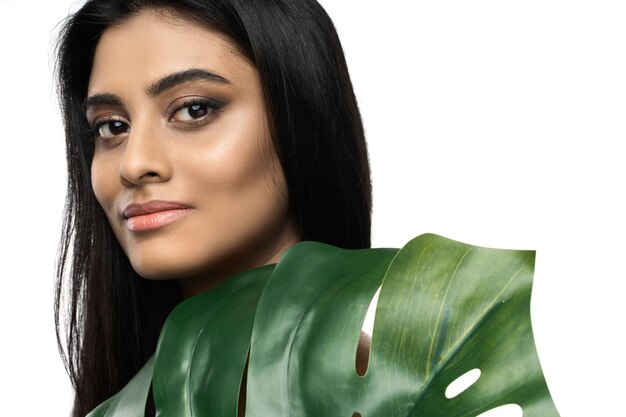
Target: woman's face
pixel 184 166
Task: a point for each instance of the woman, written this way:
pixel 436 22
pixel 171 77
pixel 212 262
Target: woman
pixel 203 139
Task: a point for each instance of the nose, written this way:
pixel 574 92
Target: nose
pixel 145 158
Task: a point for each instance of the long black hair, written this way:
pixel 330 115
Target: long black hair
pixel 112 316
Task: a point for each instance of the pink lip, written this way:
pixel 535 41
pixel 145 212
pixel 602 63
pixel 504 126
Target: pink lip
pixel 153 214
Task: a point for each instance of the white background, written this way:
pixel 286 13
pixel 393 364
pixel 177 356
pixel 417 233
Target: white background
pixel 496 123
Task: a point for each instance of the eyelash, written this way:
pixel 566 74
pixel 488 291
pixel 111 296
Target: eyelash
pixel 95 130
pixel 213 106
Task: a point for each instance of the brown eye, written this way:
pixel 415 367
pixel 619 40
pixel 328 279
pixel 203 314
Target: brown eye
pixel 111 128
pixel 196 110
pixel 193 112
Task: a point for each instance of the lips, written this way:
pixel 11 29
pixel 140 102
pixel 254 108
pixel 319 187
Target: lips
pixel 153 214
pixel 150 207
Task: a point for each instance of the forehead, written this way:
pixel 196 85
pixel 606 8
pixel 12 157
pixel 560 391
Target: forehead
pixel 155 43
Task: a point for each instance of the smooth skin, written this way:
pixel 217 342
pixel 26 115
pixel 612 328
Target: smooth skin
pixel 202 142
pixel 177 114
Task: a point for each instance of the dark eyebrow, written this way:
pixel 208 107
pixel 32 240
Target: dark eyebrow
pixel 174 79
pixel 158 87
pixel 101 100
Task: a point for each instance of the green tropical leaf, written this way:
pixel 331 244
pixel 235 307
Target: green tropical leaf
pixel 131 400
pixel 445 308
pixel 203 348
pixel 313 307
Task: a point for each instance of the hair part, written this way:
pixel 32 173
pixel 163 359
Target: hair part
pixel 108 318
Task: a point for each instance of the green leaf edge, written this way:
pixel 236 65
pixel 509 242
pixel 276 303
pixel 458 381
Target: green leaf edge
pixel 130 401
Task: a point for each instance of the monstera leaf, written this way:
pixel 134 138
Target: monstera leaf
pixel 445 308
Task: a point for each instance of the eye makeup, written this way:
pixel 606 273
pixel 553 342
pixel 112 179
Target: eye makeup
pixel 193 111
pixel 188 112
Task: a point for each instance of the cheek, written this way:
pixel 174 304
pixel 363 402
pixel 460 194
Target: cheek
pixel 262 199
pixel 240 161
pixel 103 182
pixel 238 180
pixel 242 187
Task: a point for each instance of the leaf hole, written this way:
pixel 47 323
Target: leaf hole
pixel 363 354
pixel 462 383
pixel 363 349
pixel 241 403
pixel 368 323
pixel 356 414
pixel 508 410
pixel 150 407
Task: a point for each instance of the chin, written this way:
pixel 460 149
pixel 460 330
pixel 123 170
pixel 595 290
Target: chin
pixel 157 266
pixel 156 272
